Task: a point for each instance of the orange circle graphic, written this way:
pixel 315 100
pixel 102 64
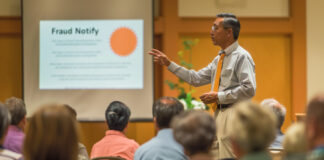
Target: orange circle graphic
pixel 123 41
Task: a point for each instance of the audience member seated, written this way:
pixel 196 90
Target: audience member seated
pixel 15 136
pixel 83 154
pixel 163 146
pixel 4 124
pixel 252 129
pixel 280 112
pixel 195 131
pixel 295 144
pixel 52 134
pixel 315 127
pixel 115 143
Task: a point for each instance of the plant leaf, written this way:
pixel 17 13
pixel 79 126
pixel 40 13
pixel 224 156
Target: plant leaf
pixel 170 84
pixel 188 101
pixel 180 54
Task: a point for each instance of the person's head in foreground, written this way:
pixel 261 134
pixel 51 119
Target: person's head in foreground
pixel 195 131
pixel 5 120
pixel 315 127
pixel 252 129
pixel 52 135
pixel 117 116
pixel 294 143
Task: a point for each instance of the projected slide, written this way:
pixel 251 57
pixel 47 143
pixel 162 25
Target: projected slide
pixel 91 54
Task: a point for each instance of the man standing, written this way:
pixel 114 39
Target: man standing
pixel 231 73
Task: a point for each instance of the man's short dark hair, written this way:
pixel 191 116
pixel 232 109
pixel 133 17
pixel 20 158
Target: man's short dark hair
pixel 164 109
pixel 4 119
pixel 117 115
pixel 230 21
pixel 17 109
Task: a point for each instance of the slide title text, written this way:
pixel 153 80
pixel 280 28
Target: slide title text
pixel 77 30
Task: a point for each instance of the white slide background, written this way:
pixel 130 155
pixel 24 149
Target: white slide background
pixel 79 55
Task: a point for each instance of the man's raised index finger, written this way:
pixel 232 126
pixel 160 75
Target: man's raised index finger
pixel 152 53
pixel 157 51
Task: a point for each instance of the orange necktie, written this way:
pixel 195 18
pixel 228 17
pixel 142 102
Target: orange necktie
pixel 217 77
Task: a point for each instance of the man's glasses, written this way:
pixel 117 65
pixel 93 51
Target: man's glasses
pixel 214 27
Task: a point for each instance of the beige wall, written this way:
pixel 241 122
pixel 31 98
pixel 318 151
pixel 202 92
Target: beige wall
pixel 194 8
pixel 242 8
pixel 315 47
pixel 9 7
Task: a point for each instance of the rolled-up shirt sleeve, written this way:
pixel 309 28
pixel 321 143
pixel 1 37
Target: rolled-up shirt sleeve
pixel 195 78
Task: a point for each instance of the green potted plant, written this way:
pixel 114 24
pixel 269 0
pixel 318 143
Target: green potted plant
pixel 186 96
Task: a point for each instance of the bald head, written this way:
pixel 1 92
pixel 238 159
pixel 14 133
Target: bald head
pixel 164 109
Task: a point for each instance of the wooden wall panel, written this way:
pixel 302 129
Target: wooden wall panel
pixel 10 66
pixel 272 56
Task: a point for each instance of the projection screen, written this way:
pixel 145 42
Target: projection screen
pixel 88 53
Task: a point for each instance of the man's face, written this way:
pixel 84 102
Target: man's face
pixel 218 34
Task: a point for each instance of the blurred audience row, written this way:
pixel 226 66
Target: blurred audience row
pixel 255 132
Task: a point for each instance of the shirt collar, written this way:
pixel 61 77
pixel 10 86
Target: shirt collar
pixel 165 132
pixel 14 128
pixel 114 132
pixel 230 48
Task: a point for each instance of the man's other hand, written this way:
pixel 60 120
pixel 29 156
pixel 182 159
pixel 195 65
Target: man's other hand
pixel 210 97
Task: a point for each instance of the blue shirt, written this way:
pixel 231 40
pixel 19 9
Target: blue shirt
pixel 316 154
pixel 161 147
pixel 277 143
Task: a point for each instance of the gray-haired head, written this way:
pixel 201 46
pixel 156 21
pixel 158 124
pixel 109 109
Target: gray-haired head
pixel 230 21
pixel 4 120
pixel 278 109
pixel 17 109
pixel 195 131
pixel 253 127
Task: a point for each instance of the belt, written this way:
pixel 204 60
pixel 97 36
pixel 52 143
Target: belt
pixel 223 106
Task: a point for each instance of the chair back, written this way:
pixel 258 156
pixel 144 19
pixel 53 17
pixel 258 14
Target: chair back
pixel 276 154
pixel 108 158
